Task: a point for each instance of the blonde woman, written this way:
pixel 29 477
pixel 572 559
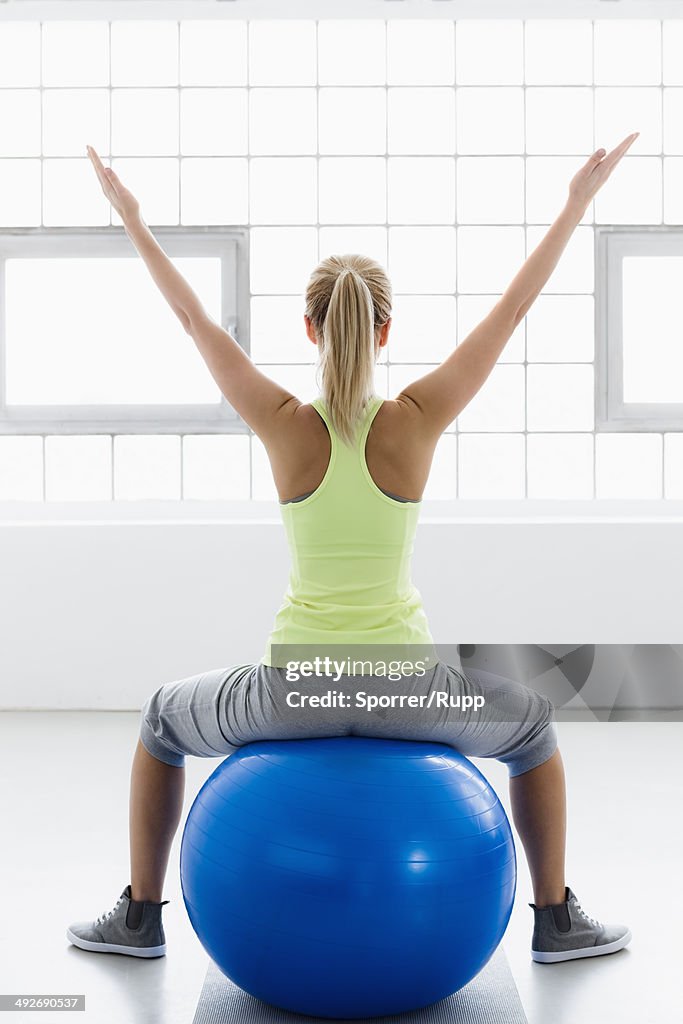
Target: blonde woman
pixel 350 469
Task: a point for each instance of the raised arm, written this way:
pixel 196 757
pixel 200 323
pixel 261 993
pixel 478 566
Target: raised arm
pixel 255 397
pixel 442 394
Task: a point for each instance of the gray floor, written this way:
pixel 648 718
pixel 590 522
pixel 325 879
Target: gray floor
pixel 64 780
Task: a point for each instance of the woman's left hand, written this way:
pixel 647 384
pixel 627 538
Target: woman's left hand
pixel 123 201
pixel 595 172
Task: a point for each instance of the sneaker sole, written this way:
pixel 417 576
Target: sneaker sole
pixel 111 947
pixel 575 954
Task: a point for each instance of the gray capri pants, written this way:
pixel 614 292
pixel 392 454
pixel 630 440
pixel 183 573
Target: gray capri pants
pixel 215 712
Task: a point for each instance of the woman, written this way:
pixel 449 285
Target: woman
pixel 350 470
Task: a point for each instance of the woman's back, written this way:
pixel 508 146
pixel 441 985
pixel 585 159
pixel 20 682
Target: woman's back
pixel 350 546
pixel 398 450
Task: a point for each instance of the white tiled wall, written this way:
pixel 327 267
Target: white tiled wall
pixel 441 148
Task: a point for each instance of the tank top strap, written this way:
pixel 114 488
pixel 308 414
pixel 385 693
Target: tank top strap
pixel 319 405
pixel 373 408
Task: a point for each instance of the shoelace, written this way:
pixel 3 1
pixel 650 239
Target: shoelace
pixel 591 920
pixel 109 913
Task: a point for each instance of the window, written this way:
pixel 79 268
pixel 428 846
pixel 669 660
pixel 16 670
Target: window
pixel 90 345
pixel 319 135
pixel 639 351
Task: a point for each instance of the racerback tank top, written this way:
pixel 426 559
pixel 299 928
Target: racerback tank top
pixel 350 546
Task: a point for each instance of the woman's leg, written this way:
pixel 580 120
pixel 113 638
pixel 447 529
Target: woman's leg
pixel 180 718
pixel 156 805
pixel 515 725
pixel 537 793
pixel 156 802
pixel 539 810
pixel 207 715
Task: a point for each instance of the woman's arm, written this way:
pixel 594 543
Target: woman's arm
pixel 258 399
pixel 523 290
pixel 439 396
pixel 184 302
pixel 181 298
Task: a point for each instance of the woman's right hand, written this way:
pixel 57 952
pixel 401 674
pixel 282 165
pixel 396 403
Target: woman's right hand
pixel 595 172
pixel 121 198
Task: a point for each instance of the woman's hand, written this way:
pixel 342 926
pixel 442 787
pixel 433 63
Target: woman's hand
pixel 123 201
pixel 596 171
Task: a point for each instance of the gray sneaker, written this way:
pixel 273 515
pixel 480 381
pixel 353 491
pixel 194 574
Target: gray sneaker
pixel 133 927
pixel 565 932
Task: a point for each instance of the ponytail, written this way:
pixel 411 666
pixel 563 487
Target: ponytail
pixel 348 298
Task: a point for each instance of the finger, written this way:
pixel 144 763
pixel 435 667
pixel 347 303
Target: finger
pixel 97 164
pixel 111 186
pixel 619 150
pixel 102 172
pixel 616 154
pixel 595 159
pixel 92 153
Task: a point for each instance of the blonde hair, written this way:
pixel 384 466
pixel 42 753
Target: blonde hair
pixel 348 298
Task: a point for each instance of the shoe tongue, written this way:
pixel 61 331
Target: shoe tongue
pixel 127 892
pixel 570 895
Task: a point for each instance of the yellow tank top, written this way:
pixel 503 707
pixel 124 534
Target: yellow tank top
pixel 350 546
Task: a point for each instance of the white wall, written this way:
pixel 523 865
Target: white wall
pixel 98 614
pixel 356 9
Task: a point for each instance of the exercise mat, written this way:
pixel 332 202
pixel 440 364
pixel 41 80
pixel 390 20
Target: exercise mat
pixel 490 998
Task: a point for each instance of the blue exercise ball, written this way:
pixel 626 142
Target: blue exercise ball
pixel 348 877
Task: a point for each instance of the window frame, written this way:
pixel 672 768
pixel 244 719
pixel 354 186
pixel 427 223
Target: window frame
pixel 229 243
pixel 612 243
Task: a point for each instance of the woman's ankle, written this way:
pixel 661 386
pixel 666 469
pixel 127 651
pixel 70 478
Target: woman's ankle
pixel 144 894
pixel 550 896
